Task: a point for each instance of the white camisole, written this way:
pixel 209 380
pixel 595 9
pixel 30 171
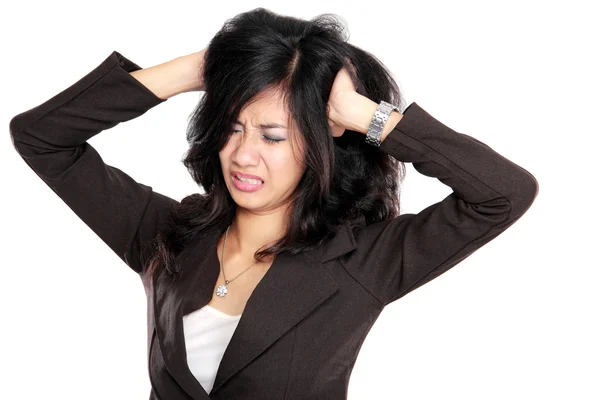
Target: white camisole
pixel 207 333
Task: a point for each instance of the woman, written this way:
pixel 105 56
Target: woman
pixel 266 285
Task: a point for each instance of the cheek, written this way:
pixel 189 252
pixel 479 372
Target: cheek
pixel 225 161
pixel 284 167
pixel 225 154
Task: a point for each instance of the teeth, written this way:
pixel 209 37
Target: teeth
pixel 253 181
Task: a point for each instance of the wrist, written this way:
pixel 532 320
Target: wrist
pixel 358 112
pixel 355 112
pixel 184 75
pixel 167 79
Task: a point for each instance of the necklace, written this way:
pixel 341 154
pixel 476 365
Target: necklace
pixel 222 289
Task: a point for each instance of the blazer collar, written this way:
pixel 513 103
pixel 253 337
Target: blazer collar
pixel 293 287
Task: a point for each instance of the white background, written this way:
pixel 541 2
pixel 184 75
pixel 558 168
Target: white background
pixel 518 319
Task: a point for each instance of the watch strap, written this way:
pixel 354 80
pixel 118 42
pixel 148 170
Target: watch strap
pixel 378 122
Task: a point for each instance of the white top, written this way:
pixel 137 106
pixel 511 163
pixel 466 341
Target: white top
pixel 207 333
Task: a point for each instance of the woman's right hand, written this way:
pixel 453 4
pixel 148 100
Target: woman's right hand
pixel 193 64
pixel 178 75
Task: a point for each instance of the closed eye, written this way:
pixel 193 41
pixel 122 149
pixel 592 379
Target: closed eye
pixel 267 139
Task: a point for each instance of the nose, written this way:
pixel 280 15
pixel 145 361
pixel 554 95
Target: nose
pixel 245 152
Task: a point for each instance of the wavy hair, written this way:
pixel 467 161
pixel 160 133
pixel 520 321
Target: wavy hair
pixel 344 178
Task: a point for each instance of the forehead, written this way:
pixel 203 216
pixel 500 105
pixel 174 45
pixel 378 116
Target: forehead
pixel 266 110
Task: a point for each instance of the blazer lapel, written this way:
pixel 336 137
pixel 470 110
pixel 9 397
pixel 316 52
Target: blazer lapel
pixel 292 288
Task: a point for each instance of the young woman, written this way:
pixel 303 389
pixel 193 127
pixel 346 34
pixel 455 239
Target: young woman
pixel 265 285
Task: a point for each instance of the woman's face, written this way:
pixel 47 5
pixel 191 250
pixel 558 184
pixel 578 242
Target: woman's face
pixel 265 151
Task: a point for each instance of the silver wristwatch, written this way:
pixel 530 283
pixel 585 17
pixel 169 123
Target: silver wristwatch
pixel 378 122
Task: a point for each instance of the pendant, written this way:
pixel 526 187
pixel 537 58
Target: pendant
pixel 222 289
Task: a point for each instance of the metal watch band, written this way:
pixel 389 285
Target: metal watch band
pixel 378 122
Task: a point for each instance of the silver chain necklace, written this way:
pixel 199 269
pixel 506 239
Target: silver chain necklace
pixel 222 289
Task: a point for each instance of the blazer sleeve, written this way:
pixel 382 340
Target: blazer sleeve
pixel 52 140
pixel 490 193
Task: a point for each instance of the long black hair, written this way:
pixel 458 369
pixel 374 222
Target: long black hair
pixel 344 177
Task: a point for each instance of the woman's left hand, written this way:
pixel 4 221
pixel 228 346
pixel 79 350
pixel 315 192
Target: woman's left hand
pixel 343 94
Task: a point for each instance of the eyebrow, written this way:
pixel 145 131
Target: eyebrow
pixel 264 126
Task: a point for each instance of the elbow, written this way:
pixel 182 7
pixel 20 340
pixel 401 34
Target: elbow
pixel 13 128
pixel 16 129
pixel 525 194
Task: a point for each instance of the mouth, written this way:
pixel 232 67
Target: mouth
pixel 246 185
pixel 247 180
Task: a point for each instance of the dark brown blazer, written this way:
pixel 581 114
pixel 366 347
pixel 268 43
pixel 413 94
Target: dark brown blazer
pixel 305 322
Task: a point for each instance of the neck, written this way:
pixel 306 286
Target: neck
pixel 250 232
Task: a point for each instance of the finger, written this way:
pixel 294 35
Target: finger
pixel 352 67
pixel 336 130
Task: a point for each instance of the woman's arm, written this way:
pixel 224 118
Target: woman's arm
pixel 52 140
pixel 182 74
pixel 490 193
